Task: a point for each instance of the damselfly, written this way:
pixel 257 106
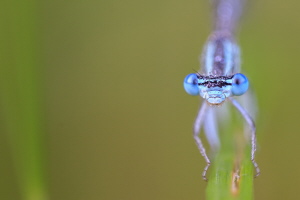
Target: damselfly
pixel 219 79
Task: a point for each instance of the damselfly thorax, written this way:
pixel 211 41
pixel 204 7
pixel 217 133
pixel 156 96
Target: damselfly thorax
pixel 218 78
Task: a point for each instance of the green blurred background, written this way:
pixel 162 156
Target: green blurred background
pixel 92 104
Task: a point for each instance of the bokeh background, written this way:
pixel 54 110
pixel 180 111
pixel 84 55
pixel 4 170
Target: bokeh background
pixel 92 103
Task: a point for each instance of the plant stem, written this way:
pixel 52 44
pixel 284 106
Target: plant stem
pixel 20 95
pixel 231 178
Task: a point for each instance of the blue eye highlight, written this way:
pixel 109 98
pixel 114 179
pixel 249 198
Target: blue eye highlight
pixel 240 84
pixel 190 84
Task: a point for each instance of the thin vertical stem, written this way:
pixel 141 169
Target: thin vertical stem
pixel 20 103
pixel 231 177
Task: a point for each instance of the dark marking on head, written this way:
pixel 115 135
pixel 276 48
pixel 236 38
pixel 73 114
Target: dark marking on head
pixel 210 84
pixel 215 81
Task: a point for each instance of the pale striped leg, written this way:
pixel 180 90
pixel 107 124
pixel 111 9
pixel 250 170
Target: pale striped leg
pixel 197 127
pixel 249 120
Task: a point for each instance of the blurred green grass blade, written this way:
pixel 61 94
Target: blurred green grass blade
pixel 20 95
pixel 223 183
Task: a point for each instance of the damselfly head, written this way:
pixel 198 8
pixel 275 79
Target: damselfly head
pixel 215 89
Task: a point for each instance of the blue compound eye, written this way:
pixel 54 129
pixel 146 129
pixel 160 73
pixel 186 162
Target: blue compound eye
pixel 190 84
pixel 240 84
